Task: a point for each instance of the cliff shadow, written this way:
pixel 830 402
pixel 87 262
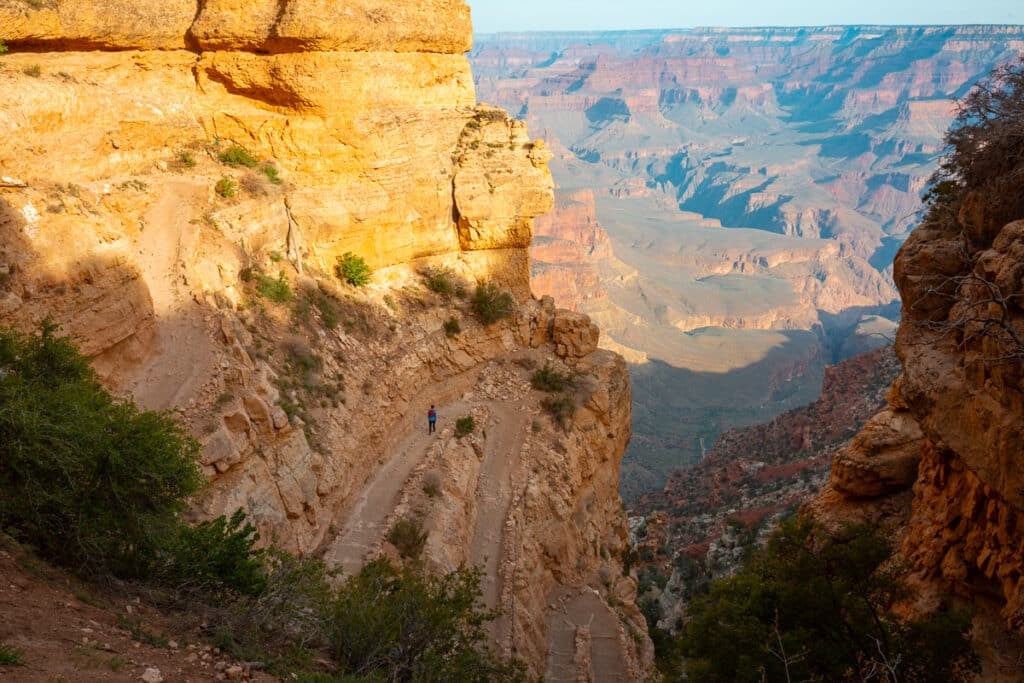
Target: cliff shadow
pixel 678 413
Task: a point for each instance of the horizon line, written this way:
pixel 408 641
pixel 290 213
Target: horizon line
pixel 742 26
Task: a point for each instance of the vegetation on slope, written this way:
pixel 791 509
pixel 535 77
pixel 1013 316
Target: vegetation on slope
pixel 984 161
pixel 814 605
pixel 97 486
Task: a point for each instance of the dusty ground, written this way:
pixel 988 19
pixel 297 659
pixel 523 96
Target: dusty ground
pixel 66 631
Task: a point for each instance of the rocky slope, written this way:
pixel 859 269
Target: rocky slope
pixel 707 517
pixel 208 289
pixel 749 180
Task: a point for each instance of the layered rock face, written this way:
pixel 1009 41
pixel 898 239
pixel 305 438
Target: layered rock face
pixel 749 180
pixel 962 383
pixel 208 288
pixel 940 467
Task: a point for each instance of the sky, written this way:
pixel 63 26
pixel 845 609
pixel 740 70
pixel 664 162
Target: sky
pixel 490 16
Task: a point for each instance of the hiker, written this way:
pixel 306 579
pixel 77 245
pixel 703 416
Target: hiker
pixel 431 419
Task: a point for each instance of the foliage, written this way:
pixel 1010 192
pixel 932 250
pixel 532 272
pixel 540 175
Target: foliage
pixel 236 155
pixel 3 48
pixel 85 478
pixel 490 303
pixel 560 407
pixel 96 485
pixel 404 625
pixel 35 71
pixel 226 187
pixel 452 327
pixel 984 151
pixel 277 290
pixel 815 606
pixel 272 175
pixel 9 656
pixel 440 280
pixel 551 380
pixel 353 270
pixel 187 159
pixel 286 622
pixel 216 555
pixel 409 537
pixel 464 426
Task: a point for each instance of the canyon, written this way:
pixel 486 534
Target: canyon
pixel 730 201
pixel 180 183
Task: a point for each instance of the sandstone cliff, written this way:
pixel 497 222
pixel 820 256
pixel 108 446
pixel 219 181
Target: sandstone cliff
pixel 941 466
pixel 221 304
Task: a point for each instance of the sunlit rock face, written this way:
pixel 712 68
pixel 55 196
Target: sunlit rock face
pixel 202 280
pixel 751 185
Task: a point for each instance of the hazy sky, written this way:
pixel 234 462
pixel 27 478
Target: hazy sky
pixel 490 16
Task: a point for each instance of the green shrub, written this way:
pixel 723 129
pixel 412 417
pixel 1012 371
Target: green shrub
pixel 187 159
pixel 440 280
pixel 551 380
pixel 35 71
pixel 272 175
pixel 405 625
pixel 285 624
pixel 464 426
pixel 236 155
pixel 217 555
pixel 8 655
pixel 408 536
pixel 561 408
pixel 86 478
pixel 353 270
pixel 816 606
pixel 3 48
pixel 491 304
pixel 277 290
pixel 226 187
pixel 328 307
pixel 452 327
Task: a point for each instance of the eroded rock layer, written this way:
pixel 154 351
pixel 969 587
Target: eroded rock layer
pixel 953 432
pixel 201 279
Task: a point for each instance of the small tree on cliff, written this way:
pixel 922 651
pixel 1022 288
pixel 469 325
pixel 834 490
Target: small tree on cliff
pixel 974 194
pixel 985 152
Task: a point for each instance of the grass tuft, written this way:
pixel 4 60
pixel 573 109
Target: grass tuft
pixel 226 187
pixel 236 155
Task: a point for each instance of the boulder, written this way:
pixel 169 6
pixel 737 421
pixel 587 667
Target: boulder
pixel 574 334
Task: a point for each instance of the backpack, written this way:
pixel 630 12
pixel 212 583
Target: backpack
pixel 431 414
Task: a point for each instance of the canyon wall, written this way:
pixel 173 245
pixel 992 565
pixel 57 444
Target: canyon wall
pixel 754 185
pixel 940 467
pixel 201 280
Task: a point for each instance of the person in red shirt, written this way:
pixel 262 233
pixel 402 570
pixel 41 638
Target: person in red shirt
pixel 431 420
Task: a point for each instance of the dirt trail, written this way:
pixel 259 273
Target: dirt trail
pixel 505 437
pixel 364 526
pixel 183 357
pixel 575 609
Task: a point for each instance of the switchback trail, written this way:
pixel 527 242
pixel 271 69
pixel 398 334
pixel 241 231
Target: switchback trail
pixel 364 526
pixel 506 433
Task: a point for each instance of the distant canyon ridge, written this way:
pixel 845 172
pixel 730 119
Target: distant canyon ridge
pixel 729 201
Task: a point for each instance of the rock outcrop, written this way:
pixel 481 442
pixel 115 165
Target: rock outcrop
pixel 201 279
pixel 941 467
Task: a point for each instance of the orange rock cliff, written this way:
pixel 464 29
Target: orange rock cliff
pixel 940 466
pixel 120 221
